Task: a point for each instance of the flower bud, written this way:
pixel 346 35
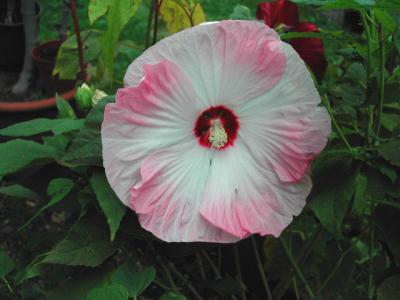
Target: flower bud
pixel 84 96
pixel 98 95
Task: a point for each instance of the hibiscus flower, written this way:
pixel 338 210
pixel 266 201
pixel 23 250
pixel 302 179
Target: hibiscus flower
pixel 212 137
pixel 285 13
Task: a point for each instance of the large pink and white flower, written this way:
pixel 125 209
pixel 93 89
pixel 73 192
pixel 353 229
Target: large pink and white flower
pixel 213 135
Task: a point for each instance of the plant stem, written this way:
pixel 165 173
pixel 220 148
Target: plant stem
pixel 213 266
pixel 382 77
pixel 168 273
pixel 261 268
pixel 335 123
pixel 185 279
pixel 150 22
pixel 8 285
pixel 238 270
pixel 74 13
pixel 296 290
pixel 369 41
pixel 370 253
pixel 297 269
pixel 157 6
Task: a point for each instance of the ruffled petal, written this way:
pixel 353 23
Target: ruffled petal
pixel 285 129
pixel 157 113
pixel 243 197
pixel 168 197
pixel 311 50
pixel 278 12
pixel 229 62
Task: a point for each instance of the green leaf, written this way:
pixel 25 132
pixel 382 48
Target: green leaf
pixel 6 264
pixel 361 205
pixel 389 172
pixel 78 287
pixel 241 12
pixel 58 142
pixel 172 296
pixel 119 14
pixel 112 207
pixel 33 270
pixel 330 205
pixel 390 121
pixel 86 244
pixel 389 289
pixel 58 189
pixel 19 191
pixel 86 148
pixel 65 109
pixel 385 18
pixel 390 151
pixel 134 281
pixel 97 8
pixel 17 154
pixel 36 126
pixel 109 292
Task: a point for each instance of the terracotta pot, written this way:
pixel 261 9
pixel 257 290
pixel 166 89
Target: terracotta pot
pixel 34 105
pixel 44 56
pixel 12 40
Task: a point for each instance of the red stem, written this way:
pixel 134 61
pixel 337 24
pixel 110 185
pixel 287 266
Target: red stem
pixel 74 13
pixel 157 6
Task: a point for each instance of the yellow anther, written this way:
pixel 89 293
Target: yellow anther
pixel 218 137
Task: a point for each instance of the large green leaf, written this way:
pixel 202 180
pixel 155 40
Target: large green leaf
pixel 36 126
pixel 86 244
pixel 331 203
pixel 58 189
pixel 109 292
pixel 97 8
pixel 112 207
pixel 119 14
pixel 86 149
pixel 6 264
pixel 17 154
pixel 134 281
pixel 19 191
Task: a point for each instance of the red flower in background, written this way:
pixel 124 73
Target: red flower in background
pixel 286 13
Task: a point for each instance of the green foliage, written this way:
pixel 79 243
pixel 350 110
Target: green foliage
pixel 134 281
pixel 86 244
pixel 77 241
pixel 113 209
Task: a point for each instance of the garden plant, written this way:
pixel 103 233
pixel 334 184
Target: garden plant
pixel 215 150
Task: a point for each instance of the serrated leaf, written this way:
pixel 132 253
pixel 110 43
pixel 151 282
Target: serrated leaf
pixel 390 121
pixel 391 152
pixel 19 191
pixel 181 14
pixel 86 244
pixel 111 206
pixel 58 189
pixel 389 289
pixel 134 281
pixel 109 292
pixel 172 296
pixel 36 126
pixel 17 154
pixel 86 148
pixel 6 264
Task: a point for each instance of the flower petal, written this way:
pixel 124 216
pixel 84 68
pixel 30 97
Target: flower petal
pixel 311 50
pixel 159 112
pixel 279 12
pixel 243 197
pixel 285 129
pixel 169 195
pixel 228 61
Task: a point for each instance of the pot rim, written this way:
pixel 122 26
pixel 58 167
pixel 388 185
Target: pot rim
pixel 34 105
